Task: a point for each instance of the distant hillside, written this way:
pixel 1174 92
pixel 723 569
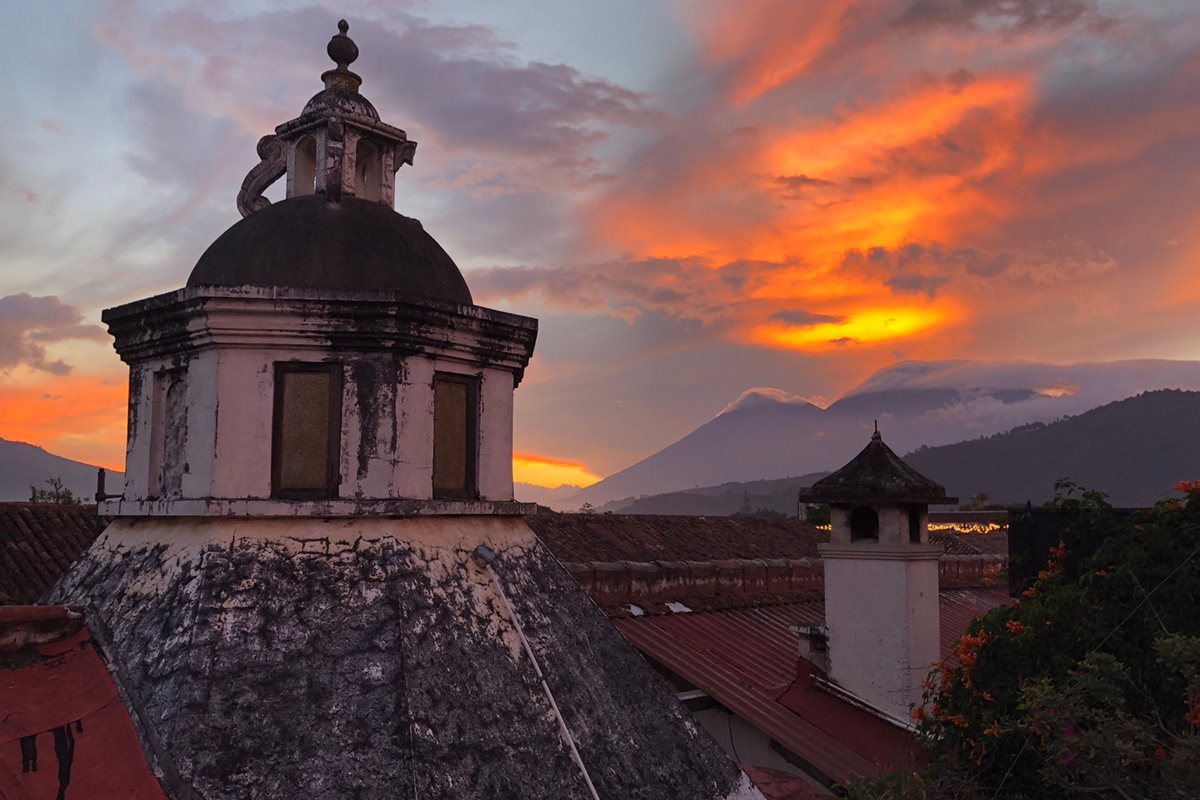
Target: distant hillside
pixel 767 433
pixel 777 495
pixel 23 465
pixel 1135 450
pixel 553 498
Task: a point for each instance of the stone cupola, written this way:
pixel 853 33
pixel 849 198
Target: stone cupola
pixel 325 356
pixel 317 583
pixel 337 147
pixel 881 577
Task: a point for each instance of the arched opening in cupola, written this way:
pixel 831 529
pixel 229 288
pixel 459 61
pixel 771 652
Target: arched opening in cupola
pixel 864 524
pixel 914 524
pixel 368 171
pixel 304 177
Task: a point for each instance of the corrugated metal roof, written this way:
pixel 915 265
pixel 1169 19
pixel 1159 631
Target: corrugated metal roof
pixel 776 785
pixel 960 607
pixel 747 660
pixel 64 729
pixel 38 542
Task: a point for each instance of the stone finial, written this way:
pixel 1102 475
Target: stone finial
pixel 343 51
pixel 342 48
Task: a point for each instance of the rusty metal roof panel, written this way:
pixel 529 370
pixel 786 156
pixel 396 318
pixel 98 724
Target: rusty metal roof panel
pixel 63 723
pixel 747 660
pixel 960 607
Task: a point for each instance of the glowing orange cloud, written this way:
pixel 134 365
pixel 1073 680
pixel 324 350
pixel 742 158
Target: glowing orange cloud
pixel 770 43
pixel 550 472
pixel 863 326
pixel 81 417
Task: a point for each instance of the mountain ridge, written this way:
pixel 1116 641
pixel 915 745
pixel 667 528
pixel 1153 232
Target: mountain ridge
pixel 768 432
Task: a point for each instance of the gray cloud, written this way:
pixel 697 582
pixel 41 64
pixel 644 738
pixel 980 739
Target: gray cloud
pixel 801 317
pixel 27 323
pixel 794 185
pixel 680 288
pixel 917 284
pixel 1017 15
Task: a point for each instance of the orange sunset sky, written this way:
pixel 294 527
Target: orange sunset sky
pixel 695 198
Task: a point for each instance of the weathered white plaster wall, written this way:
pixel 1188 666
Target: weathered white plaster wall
pixel 881 608
pixel 495 435
pixel 233 341
pixel 744 743
pixel 414 475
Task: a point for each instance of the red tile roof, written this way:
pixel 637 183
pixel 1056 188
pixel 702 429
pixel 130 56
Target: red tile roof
pixel 651 537
pixel 747 660
pixel 38 542
pixel 63 723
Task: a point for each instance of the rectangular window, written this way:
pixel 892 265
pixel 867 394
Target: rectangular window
pixel 307 430
pixel 455 415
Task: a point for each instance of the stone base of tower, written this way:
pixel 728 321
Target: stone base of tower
pixel 881 609
pixel 374 658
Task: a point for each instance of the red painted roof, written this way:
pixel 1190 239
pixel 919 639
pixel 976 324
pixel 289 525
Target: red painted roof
pixel 776 785
pixel 38 541
pixel 63 726
pixel 747 660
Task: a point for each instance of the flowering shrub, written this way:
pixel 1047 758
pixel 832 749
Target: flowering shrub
pixel 1090 687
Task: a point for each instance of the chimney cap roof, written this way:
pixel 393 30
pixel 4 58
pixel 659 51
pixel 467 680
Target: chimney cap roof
pixel 876 475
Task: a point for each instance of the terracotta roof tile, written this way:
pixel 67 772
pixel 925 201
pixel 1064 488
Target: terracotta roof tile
pixel 651 537
pixel 38 542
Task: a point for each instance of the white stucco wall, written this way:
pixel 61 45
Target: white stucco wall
pixel 881 608
pixel 496 435
pixel 230 395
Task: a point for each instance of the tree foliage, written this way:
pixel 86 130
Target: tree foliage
pixel 1090 687
pixel 57 493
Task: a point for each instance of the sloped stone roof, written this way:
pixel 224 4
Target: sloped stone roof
pixel 38 542
pixel 876 474
pixel 370 658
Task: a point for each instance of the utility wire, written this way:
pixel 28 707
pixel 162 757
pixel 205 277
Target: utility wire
pixel 1145 599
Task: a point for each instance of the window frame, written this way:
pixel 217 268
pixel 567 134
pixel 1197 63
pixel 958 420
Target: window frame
pixel 333 457
pixel 471 490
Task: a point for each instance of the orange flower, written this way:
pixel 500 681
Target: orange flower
pixel 1100 573
pixel 992 731
pixel 918 714
pixel 1014 626
pixel 1187 487
pixel 1193 714
pixel 1031 592
pixel 987 696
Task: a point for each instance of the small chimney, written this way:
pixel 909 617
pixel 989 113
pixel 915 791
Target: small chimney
pixel 881 578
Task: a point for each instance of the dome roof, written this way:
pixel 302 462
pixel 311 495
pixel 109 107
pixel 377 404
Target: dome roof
pixel 311 243
pixel 336 101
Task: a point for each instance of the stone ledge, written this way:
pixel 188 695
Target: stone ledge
pixel 879 551
pixel 381 507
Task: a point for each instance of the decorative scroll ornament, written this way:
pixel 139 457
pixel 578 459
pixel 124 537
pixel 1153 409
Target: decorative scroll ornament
pixel 272 167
